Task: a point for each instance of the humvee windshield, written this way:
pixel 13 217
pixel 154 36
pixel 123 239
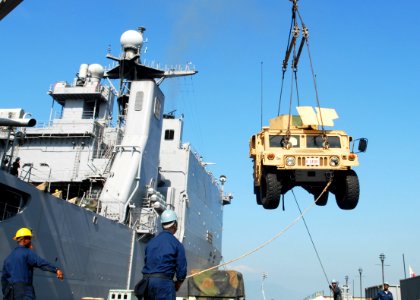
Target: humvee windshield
pixel 280 141
pixel 315 141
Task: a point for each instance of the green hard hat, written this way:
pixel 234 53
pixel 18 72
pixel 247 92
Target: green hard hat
pixel 168 216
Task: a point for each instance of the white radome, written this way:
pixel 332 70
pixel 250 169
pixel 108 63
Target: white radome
pixel 96 70
pixel 131 38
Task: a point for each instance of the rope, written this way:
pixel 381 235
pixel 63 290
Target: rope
pixel 294 222
pixel 310 237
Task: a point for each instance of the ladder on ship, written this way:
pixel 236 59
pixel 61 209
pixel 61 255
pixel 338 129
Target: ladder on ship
pixel 76 162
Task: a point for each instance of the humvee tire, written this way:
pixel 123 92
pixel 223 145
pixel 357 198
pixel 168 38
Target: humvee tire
pixel 270 191
pixel 347 189
pixel 257 195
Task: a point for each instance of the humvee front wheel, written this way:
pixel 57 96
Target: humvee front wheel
pixel 257 195
pixel 270 191
pixel 347 189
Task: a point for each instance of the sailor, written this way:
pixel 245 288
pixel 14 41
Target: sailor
pixel 385 294
pixel 165 257
pixel 335 289
pixel 15 167
pixel 18 267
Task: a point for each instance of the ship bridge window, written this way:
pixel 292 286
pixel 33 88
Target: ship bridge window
pixel 280 141
pixel 89 110
pixel 169 134
pixel 316 141
pixel 12 201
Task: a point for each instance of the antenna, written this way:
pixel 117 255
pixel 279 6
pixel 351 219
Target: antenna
pixel 261 71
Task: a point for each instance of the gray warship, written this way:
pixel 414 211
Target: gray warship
pixel 92 191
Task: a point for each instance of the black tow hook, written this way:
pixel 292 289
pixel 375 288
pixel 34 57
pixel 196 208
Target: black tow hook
pixel 329 175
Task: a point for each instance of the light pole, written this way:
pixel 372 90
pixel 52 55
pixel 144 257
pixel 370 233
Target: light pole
pixel 49 174
pixel 382 258
pixel 360 273
pixel 264 276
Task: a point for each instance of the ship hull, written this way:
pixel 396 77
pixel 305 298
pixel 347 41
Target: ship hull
pixel 96 254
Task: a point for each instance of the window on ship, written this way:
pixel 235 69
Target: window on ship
pixel 89 109
pixel 12 201
pixel 169 134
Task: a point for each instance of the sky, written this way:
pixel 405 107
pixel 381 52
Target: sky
pixel 365 56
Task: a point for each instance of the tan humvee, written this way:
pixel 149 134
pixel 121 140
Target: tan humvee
pixel 303 154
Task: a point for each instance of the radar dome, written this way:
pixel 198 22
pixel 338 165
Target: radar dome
pixel 131 39
pixel 96 71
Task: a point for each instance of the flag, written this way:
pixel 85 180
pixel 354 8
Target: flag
pixel 410 270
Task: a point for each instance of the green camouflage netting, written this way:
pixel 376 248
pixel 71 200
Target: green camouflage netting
pixel 216 284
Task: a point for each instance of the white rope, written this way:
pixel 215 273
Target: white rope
pixel 294 222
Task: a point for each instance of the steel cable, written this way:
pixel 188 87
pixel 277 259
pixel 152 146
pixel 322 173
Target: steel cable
pixel 310 237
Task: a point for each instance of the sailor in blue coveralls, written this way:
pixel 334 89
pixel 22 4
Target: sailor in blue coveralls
pixel 164 258
pixel 16 279
pixel 385 294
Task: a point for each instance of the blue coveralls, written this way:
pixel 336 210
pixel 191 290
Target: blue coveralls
pixel 18 267
pixel 336 292
pixel 164 257
pixel 384 296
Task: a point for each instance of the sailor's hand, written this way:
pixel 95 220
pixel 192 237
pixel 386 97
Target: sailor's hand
pixel 178 285
pixel 60 274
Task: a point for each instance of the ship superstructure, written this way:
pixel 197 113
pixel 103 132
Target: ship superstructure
pixel 113 176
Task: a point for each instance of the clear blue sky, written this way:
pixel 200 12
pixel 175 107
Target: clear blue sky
pixel 366 57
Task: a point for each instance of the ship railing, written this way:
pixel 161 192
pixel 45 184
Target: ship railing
pixel 155 65
pixel 199 158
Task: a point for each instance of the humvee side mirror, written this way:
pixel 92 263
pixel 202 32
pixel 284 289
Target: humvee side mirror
pixel 362 144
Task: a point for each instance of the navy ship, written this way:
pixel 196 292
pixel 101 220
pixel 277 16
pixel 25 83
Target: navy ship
pixel 93 180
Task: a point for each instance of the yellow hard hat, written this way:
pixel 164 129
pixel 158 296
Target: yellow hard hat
pixel 23 232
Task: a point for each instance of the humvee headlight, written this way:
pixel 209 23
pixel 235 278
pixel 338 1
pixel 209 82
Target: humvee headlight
pixel 290 161
pixel 334 161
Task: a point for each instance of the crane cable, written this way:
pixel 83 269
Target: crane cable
pixel 294 222
pixel 292 45
pixel 306 35
pixel 310 237
pixel 284 68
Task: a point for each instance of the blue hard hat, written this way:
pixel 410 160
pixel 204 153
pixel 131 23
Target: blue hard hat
pixel 333 281
pixel 168 216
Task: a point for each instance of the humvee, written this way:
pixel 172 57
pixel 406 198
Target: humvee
pixel 294 151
